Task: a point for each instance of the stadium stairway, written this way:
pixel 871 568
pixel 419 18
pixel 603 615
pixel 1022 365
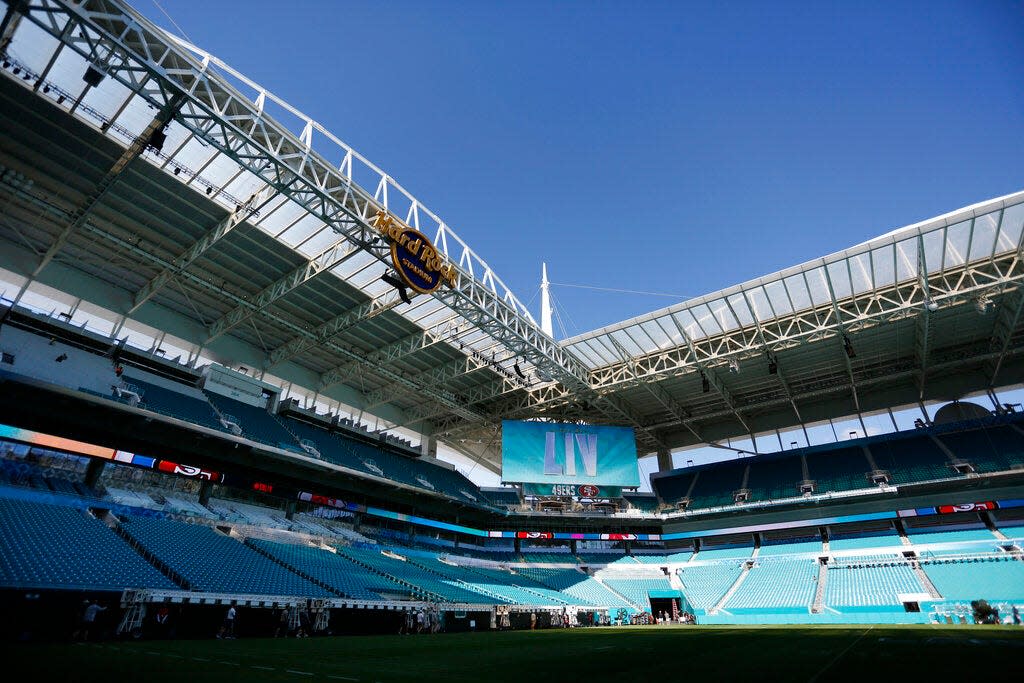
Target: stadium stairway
pixel 619 594
pixel 925 580
pixel 818 605
pixel 744 573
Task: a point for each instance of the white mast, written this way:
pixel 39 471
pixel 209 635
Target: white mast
pixel 545 302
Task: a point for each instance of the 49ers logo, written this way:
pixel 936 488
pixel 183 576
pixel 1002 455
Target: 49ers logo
pixel 588 491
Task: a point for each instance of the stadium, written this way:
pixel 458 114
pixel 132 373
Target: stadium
pixel 233 347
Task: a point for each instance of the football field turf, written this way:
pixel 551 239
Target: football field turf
pixel 638 653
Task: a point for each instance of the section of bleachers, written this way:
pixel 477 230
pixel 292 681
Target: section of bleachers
pixel 838 469
pixel 211 561
pixel 553 557
pixel 636 589
pixel 774 478
pixel 256 423
pixel 933 535
pixel 336 571
pixel 674 487
pixel 512 586
pixel 869 583
pixel 705 584
pixel 503 496
pixel 725 552
pixel 184 404
pixel 576 584
pixel 375 461
pixel 994 578
pixel 601 558
pixel 910 459
pixel 777 584
pixel 876 539
pixel 716 484
pixel 446 588
pixel 789 547
pixel 50 546
pixel 641 501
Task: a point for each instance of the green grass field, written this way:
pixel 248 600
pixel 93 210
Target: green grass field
pixel 947 653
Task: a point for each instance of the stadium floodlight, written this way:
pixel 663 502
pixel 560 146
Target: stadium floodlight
pixel 734 365
pixel 931 305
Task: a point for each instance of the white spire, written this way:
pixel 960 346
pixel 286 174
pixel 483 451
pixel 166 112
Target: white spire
pixel 545 302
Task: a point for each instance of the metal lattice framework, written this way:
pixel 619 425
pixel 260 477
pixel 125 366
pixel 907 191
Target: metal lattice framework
pixel 260 248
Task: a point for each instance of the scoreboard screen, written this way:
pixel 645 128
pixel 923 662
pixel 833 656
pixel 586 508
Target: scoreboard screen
pixel 565 454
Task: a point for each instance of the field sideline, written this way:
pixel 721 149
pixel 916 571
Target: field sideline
pixel 783 653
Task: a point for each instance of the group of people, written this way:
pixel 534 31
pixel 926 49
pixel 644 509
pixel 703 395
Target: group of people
pixel 298 622
pixel 423 620
pixel 679 618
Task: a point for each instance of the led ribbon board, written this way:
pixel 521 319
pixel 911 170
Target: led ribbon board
pixel 577 455
pixel 414 257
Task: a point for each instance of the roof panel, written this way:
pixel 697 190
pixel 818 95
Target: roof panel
pixel 796 287
pixel 957 239
pixel 983 241
pixel 817 286
pixel 839 275
pixel 778 297
pixel 934 244
pixel 883 259
pixel 1010 228
pixel 860 273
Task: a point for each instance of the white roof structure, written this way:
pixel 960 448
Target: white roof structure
pixel 147 182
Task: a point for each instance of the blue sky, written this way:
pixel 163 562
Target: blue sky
pixel 662 147
pixel 666 147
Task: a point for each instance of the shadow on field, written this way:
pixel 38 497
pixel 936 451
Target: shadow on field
pixel 662 653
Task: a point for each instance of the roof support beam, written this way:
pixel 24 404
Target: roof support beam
pixel 133 151
pixel 157 67
pixel 198 248
pixel 843 340
pixel 922 328
pixel 334 255
pixel 659 394
pixel 392 352
pixel 333 327
pixel 9 24
pixel 1007 316
pixel 1007 320
pixel 712 378
pixel 778 370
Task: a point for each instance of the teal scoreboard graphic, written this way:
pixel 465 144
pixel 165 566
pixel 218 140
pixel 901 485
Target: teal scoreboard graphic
pixel 558 453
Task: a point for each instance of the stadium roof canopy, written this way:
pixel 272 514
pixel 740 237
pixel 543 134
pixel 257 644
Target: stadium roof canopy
pixel 146 180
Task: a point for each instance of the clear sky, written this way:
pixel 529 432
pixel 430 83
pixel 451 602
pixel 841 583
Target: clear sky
pixel 660 147
pixel 667 147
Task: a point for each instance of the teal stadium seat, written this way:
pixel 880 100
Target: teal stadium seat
pixel 51 546
pixel 213 562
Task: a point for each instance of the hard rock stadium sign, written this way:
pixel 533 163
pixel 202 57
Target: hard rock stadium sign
pixel 414 257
